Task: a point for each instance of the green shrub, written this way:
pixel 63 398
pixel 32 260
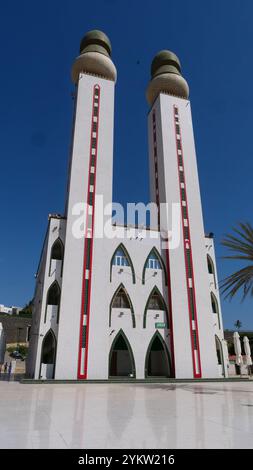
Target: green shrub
pixel 22 349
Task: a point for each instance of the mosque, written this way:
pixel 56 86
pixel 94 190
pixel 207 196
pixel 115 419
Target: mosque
pixel 138 302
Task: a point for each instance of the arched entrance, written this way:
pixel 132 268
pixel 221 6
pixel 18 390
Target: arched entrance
pixel 157 362
pixel 121 359
pixel 48 354
pixel 220 359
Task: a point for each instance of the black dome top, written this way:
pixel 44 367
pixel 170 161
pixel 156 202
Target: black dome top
pixel 96 41
pixel 165 62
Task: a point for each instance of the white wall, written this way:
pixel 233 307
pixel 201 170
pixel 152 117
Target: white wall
pixel 69 329
pixel 169 191
pixel 101 335
pixel 217 319
pixel 138 337
pixel 45 278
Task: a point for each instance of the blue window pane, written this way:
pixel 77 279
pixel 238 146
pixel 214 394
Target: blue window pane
pixel 120 259
pixel 153 262
pixel 119 253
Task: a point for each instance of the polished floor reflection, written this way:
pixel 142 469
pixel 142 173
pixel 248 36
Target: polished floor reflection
pixel 201 415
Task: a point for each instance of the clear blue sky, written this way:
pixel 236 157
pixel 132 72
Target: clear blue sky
pixel 39 41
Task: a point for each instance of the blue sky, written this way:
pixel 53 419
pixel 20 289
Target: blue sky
pixel 39 41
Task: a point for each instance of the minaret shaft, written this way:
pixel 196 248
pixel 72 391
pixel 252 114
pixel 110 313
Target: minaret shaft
pixel 174 180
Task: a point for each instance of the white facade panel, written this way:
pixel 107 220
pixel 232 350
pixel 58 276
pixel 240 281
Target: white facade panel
pixel 68 345
pixel 86 324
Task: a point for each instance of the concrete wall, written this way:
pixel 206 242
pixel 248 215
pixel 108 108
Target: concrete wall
pixel 15 328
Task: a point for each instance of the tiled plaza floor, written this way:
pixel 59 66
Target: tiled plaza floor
pixel 201 415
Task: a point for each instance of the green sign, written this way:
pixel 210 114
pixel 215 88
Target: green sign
pixel 160 325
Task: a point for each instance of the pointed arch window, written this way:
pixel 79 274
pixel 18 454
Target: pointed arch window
pixel 219 352
pixel 48 348
pixel 121 258
pixel 56 259
pixel 53 298
pixel 54 293
pixel 210 267
pixel 155 302
pixel 57 250
pixel 121 299
pixel 154 261
pixel 48 354
pixel 215 307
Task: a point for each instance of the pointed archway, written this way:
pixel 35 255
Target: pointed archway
pixel 211 269
pixel 154 261
pixel 121 299
pixel 57 250
pixel 157 363
pixel 53 298
pixel 215 307
pixel 220 357
pixel 155 302
pixel 56 257
pixel 121 358
pixel 48 355
pixel 121 257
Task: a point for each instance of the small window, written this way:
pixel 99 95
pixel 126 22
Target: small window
pixel 215 308
pixel 155 302
pixel 121 300
pixel 210 265
pixel 120 259
pixel 153 262
pixel 57 250
pixel 53 297
pixel 211 270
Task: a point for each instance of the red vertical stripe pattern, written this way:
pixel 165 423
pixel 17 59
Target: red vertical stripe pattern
pixel 88 240
pixel 187 250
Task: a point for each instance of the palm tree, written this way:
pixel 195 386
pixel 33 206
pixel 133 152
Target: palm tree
pixel 240 246
pixel 238 325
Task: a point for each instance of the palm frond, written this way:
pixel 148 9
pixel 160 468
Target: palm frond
pixel 240 279
pixel 241 247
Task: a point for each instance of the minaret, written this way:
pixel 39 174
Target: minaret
pixel 94 75
pixel 174 180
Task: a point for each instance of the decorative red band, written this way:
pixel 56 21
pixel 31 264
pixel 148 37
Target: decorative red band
pixel 187 250
pixel 88 241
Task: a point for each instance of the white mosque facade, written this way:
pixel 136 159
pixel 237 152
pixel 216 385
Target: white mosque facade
pixel 128 305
